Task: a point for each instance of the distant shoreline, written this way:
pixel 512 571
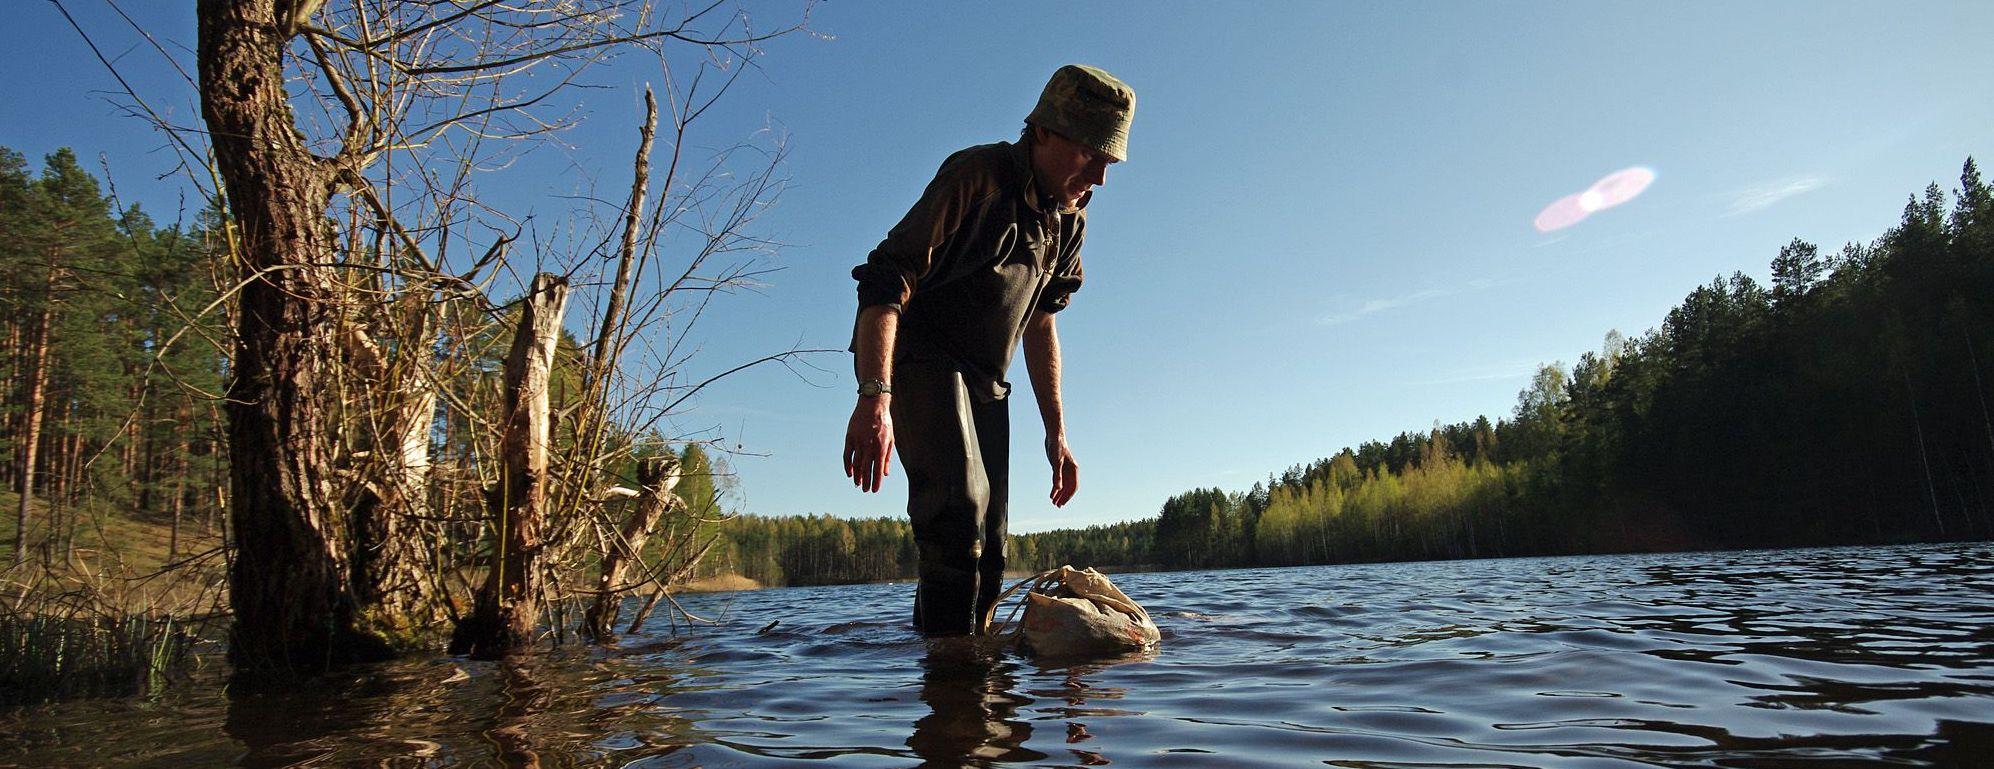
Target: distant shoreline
pixel 721 583
pixel 730 582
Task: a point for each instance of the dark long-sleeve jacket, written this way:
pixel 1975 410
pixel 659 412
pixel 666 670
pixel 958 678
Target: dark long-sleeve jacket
pixel 970 262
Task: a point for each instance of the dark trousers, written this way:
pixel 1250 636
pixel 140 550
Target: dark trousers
pixel 955 452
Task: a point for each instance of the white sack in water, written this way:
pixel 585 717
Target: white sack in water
pixel 1078 612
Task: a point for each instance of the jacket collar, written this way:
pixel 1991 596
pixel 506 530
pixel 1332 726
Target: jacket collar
pixel 1021 156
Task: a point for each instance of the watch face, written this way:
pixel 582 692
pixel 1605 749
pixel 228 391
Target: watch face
pixel 872 387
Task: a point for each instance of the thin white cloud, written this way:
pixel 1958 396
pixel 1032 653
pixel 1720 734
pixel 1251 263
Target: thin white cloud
pixel 1374 306
pixel 1519 369
pixel 1761 196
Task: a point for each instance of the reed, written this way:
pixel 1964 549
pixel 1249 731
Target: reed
pixel 90 626
pixel 47 657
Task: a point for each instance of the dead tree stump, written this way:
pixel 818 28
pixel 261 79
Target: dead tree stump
pixel 508 605
pixel 658 476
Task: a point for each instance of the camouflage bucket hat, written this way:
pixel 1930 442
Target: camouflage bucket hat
pixel 1089 106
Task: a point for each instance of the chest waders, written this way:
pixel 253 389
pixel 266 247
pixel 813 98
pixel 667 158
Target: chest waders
pixel 954 450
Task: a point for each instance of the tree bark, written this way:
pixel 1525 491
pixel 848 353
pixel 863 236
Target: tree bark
pixel 31 418
pixel 16 357
pixel 592 416
pixel 62 470
pixel 658 476
pixel 289 584
pixel 391 574
pixel 143 474
pixel 182 459
pixel 508 605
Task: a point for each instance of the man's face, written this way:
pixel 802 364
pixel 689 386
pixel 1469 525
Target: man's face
pixel 1066 168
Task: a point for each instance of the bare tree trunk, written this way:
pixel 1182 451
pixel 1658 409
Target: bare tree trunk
pixel 607 343
pixel 142 473
pixel 1931 490
pixel 592 415
pixel 79 448
pixel 508 605
pixel 34 403
pixel 664 584
pixel 289 584
pixel 181 464
pixel 391 575
pixel 1980 392
pixel 179 506
pixel 130 455
pixel 218 476
pixel 55 473
pixel 658 476
pixel 66 465
pixel 16 382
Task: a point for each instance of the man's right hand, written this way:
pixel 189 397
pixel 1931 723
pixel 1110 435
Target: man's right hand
pixel 869 442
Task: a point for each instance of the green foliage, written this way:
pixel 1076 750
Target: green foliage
pixel 815 550
pixel 1847 403
pixel 1126 544
pixel 701 482
pixel 103 309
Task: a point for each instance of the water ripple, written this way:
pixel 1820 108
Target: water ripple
pixel 1779 658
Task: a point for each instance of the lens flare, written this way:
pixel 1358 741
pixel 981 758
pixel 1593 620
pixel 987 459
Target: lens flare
pixel 1592 200
pixel 1564 213
pixel 1621 186
pixel 1612 190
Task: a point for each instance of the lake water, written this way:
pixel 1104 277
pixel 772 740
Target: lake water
pixel 1787 658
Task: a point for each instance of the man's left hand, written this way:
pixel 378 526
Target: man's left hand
pixel 1065 471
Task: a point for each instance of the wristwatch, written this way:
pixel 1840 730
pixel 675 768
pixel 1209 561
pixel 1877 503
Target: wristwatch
pixel 874 387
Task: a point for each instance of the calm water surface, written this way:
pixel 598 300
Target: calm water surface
pixel 1791 658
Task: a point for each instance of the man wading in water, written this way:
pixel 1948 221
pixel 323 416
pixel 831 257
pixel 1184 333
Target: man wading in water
pixel 984 259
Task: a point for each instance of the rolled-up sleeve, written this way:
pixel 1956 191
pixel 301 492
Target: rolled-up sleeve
pixel 1066 274
pixel 909 252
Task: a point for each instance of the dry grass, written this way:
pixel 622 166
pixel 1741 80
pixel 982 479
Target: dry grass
pixel 107 616
pixel 720 583
pixel 106 541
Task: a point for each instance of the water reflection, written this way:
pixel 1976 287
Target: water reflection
pixel 521 712
pixel 1084 701
pixel 521 698
pixel 358 715
pixel 968 686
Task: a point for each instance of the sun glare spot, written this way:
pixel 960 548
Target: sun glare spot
pixel 1591 200
pixel 1612 190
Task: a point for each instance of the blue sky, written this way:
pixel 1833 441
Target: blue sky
pixel 1322 236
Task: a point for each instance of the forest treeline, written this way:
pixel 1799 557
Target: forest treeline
pixel 827 550
pixel 117 349
pixel 1847 402
pixel 112 360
